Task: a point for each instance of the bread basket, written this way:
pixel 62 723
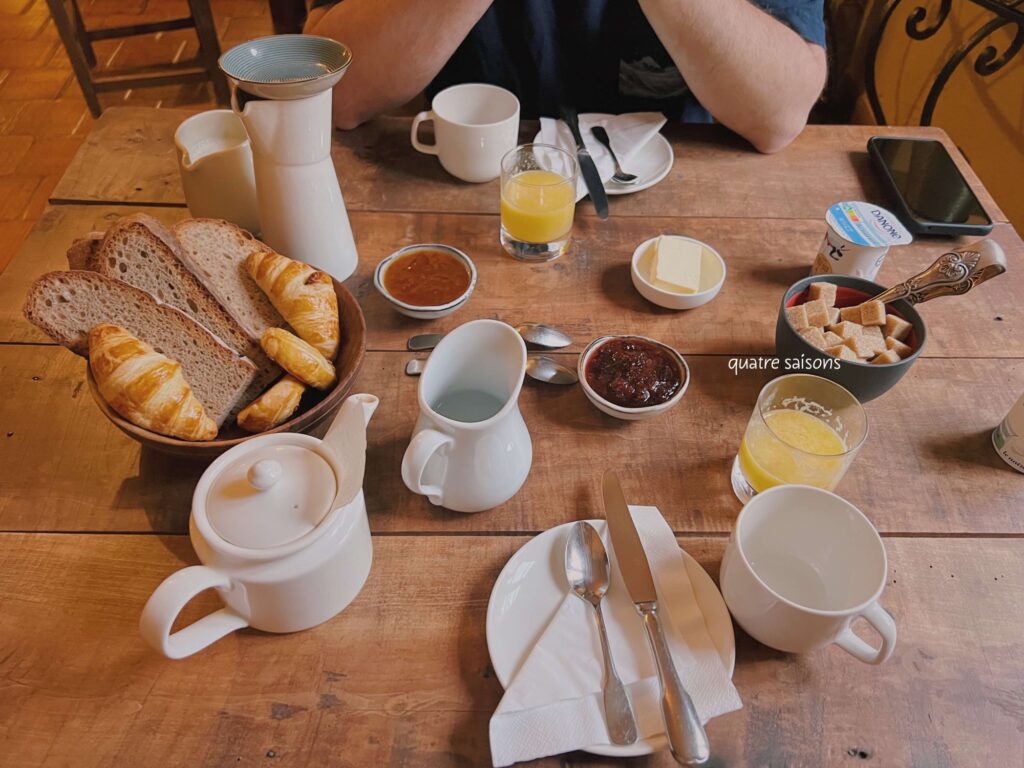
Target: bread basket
pixel 314 412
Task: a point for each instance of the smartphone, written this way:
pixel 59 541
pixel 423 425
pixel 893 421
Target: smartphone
pixel 932 196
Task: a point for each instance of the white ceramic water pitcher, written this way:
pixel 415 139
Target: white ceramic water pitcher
pixel 279 523
pixel 282 92
pixel 470 450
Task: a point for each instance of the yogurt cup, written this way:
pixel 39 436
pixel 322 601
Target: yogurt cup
pixel 857 237
pixel 1008 437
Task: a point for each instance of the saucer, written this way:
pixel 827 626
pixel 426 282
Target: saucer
pixel 529 591
pixel 651 164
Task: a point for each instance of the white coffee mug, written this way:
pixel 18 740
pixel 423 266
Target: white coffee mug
pixel 474 126
pixel 801 565
pixel 215 161
pixel 470 450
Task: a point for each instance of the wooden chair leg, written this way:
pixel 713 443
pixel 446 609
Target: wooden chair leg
pixel 288 16
pixel 79 62
pixel 76 18
pixel 209 48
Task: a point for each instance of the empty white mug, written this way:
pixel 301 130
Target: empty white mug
pixel 215 161
pixel 801 565
pixel 470 450
pixel 474 126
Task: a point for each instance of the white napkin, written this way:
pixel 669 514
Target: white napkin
pixel 628 134
pixel 554 702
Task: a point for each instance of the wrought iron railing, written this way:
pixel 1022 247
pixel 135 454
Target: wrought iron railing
pixel 919 26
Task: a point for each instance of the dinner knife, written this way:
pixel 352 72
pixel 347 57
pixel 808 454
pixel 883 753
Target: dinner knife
pixel 587 167
pixel 686 736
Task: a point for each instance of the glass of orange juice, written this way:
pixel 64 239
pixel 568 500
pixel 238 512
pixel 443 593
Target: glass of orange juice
pixel 804 430
pixel 538 199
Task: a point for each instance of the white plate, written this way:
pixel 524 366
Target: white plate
pixel 651 164
pixel 529 590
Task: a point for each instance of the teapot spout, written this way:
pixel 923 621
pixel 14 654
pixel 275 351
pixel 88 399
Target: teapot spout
pixel 368 404
pixel 346 439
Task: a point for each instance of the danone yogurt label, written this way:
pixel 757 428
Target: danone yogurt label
pixel 1008 437
pixel 858 235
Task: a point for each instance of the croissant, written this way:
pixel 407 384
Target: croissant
pixel 304 296
pixel 144 386
pixel 298 358
pixel 273 407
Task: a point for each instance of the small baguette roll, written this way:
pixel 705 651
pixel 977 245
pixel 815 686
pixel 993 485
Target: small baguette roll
pixel 145 387
pixel 298 358
pixel 304 296
pixel 273 407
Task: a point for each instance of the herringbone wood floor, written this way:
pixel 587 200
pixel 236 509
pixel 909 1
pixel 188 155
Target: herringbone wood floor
pixel 43 117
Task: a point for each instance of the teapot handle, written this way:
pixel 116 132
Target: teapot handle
pixel 424 445
pixel 171 597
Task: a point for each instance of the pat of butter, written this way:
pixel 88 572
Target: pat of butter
pixel 676 265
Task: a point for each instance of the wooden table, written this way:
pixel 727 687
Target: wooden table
pixel 90 523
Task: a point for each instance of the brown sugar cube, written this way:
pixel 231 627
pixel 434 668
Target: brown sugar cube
pixel 886 357
pixel 817 313
pixel 832 339
pixel 897 346
pixel 862 348
pixel 797 317
pixel 874 335
pixel 897 327
pixel 822 291
pixel 872 313
pixel 847 329
pixel 814 336
pixel 842 351
pixel 833 315
pixel 850 313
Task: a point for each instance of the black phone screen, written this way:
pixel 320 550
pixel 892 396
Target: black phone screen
pixel 929 181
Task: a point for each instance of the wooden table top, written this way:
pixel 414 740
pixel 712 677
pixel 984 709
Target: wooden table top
pixel 90 523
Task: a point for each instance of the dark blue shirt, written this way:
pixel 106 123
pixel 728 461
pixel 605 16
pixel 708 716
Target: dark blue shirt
pixel 597 55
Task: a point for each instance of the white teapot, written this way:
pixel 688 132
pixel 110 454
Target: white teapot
pixel 279 523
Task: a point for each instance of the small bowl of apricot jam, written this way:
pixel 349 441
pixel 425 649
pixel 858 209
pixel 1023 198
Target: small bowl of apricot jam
pixel 426 281
pixel 632 377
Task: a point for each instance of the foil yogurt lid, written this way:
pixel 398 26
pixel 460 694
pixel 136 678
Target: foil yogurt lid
pixel 867 225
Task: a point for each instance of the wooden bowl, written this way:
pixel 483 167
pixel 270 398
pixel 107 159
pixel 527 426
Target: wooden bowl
pixel 314 412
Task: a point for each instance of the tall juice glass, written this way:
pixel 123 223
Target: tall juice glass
pixel 538 199
pixel 804 430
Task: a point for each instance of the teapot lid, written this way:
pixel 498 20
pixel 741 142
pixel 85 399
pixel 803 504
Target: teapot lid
pixel 271 497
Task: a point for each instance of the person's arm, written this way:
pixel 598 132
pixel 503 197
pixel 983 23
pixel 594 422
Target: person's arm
pixel 750 71
pixel 398 46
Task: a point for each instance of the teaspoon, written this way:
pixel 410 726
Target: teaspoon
pixel 549 370
pixel 588 572
pixel 620 177
pixel 537 334
pixel 539 367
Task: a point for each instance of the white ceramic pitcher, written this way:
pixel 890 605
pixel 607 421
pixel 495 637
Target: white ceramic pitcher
pixel 215 161
pixel 279 523
pixel 470 450
pixel 302 211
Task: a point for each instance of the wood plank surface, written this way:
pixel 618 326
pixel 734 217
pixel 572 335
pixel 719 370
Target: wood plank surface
pixel 928 465
pixel 129 157
pixel 402 677
pixel 763 256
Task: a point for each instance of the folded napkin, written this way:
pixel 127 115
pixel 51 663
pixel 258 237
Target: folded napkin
pixel 628 133
pixel 554 703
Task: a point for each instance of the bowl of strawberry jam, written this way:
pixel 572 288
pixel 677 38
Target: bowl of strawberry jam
pixel 632 377
pixel 426 281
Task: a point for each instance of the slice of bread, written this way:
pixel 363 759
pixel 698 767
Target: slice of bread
pixel 65 305
pixel 82 253
pixel 140 251
pixel 215 251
